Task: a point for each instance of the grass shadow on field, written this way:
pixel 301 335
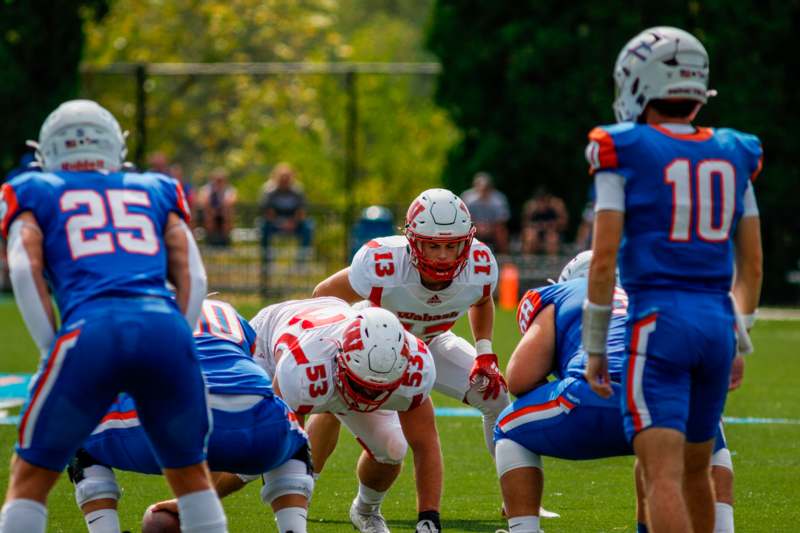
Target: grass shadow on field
pixel 450 525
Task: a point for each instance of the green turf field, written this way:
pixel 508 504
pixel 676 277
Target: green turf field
pixel 591 496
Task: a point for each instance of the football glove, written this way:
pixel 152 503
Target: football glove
pixel 485 369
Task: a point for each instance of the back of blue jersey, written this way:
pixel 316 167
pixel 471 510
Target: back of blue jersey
pixel 684 197
pixel 568 300
pixel 225 343
pixel 103 233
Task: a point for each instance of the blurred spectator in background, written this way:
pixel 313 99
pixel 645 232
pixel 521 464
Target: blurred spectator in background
pixel 176 171
pixel 216 201
pixel 544 220
pixel 283 209
pixel 583 239
pixel 490 213
pixel 158 162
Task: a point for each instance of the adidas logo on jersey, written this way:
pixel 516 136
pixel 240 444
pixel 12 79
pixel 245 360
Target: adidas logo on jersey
pixel 434 300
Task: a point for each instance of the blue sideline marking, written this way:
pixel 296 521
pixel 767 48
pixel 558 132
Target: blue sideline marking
pixel 14 390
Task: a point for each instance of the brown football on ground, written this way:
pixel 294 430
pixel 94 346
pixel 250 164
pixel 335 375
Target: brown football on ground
pixel 160 522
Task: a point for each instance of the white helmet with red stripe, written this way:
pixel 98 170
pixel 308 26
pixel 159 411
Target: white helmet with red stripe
pixel 438 215
pixel 372 359
pixel 659 63
pixel 81 135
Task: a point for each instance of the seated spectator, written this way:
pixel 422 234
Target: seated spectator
pixel 216 201
pixel 544 219
pixel 283 209
pixel 489 210
pixel 158 162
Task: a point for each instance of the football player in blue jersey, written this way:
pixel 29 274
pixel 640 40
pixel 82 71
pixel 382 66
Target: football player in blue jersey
pixel 682 198
pixel 564 418
pixel 104 242
pixel 254 433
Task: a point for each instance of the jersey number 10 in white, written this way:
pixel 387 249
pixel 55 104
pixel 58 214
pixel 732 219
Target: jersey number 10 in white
pixel 685 196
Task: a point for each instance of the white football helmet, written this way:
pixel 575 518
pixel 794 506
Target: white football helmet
pixel 372 359
pixel 438 215
pixel 659 63
pixel 578 267
pixel 81 135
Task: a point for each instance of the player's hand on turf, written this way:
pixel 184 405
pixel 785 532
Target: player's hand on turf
pixel 166 505
pixel 737 373
pixel 485 369
pixel 597 375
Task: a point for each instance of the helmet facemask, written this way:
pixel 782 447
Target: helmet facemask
pixel 439 270
pixel 372 359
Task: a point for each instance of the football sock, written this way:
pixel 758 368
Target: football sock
pixel 641 528
pixel 201 512
pixel 723 518
pixel 524 524
pixel 102 521
pixel 23 516
pixel 291 520
pixel 368 500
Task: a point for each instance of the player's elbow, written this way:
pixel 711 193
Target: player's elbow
pixel 321 289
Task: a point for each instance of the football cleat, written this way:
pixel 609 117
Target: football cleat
pixel 426 526
pixel 367 523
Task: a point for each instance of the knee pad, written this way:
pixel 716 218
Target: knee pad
pixel 97 482
pixel 722 458
pixel 391 450
pixel 92 480
pixel 508 455
pixel 292 477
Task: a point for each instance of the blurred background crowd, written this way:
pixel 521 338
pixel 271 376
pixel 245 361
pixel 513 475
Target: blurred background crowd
pixel 299 130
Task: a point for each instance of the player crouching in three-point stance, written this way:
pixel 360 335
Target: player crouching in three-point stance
pixel 564 418
pixel 429 278
pixel 361 365
pixel 682 197
pixel 105 241
pixel 253 433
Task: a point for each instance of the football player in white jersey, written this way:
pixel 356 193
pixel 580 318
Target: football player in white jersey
pixel 429 278
pixel 362 367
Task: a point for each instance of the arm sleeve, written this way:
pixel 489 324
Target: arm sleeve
pixel 750 204
pixel 26 292
pixel 198 283
pixel 610 192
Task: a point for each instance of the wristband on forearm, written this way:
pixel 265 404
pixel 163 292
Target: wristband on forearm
pixel 595 327
pixel 749 320
pixel 483 346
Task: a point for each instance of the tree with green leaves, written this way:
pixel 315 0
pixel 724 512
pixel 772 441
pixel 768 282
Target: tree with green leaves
pixel 525 82
pixel 41 44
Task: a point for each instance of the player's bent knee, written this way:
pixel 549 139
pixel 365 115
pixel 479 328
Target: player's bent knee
pixel 722 458
pixel 509 456
pixel 392 450
pixel 491 407
pixel 292 477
